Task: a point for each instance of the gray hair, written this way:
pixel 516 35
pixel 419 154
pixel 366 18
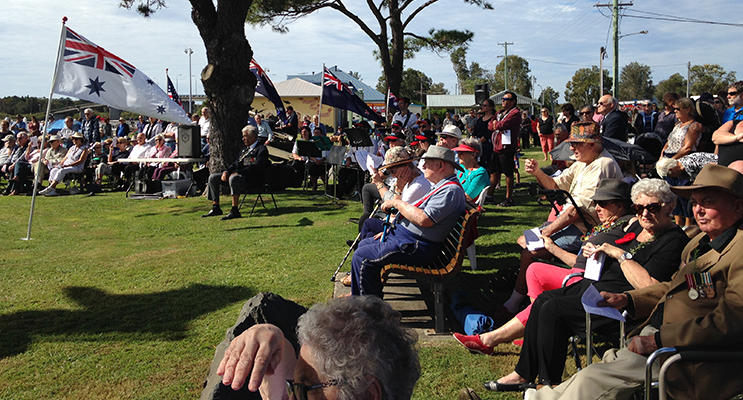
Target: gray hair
pixel 357 338
pixel 657 188
pixel 251 129
pixel 472 142
pixel 561 127
pixel 664 165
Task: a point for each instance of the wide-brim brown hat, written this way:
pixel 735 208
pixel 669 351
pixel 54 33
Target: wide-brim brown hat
pixel 714 176
pixel 443 154
pixel 585 132
pixel 612 189
pixel 397 156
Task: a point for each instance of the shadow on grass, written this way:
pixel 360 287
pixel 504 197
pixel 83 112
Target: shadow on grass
pixel 163 315
pixel 302 222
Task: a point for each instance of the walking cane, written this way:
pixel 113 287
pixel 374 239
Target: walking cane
pixel 355 242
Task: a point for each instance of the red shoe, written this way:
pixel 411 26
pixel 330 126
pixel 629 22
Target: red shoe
pixel 473 344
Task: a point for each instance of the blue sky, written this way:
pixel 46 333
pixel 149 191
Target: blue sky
pixel 557 38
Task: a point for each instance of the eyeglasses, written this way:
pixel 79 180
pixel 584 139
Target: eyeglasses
pixel 652 208
pixel 604 203
pixel 733 93
pixel 300 391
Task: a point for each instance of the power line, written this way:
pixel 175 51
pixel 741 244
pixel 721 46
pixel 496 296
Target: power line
pixel 666 17
pixel 684 20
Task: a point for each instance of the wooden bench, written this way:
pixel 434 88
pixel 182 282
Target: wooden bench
pixel 448 263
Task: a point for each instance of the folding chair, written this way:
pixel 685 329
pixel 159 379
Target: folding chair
pixel 258 190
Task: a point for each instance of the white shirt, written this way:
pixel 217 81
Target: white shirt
pixel 205 124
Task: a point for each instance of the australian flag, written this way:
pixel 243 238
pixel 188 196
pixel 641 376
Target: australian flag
pixel 392 100
pixel 267 89
pixel 336 94
pixel 173 94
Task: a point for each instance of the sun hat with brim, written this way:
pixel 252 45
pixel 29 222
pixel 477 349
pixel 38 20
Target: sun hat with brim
pixel 396 156
pixel 8 138
pixel 395 136
pixel 714 176
pixel 585 132
pixel 464 147
pixel 451 130
pixel 443 154
pixel 52 138
pixel 77 135
pixel 612 189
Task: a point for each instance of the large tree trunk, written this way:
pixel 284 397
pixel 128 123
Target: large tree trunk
pixel 228 83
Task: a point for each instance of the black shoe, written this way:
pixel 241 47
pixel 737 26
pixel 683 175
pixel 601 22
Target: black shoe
pixel 350 243
pixel 354 220
pixel 232 215
pixel 506 203
pixel 213 213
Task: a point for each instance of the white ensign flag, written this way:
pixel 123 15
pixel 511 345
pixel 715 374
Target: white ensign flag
pixel 89 72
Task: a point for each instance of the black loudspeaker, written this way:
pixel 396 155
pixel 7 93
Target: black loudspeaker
pixel 189 141
pixel 482 92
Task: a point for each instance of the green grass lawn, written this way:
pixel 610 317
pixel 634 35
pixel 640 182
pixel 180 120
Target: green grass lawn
pixel 117 298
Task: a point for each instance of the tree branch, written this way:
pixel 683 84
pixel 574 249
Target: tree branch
pixel 339 6
pixel 419 9
pixel 377 11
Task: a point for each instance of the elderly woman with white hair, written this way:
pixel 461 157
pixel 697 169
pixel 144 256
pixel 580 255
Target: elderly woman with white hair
pixel 383 364
pixel 686 167
pixel 648 253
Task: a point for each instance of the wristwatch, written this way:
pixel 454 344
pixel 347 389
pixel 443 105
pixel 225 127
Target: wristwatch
pixel 625 256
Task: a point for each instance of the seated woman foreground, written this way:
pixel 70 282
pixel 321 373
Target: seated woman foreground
pixel 613 203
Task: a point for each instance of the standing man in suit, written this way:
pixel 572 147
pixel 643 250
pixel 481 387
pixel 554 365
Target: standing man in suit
pixel 246 171
pixel 702 305
pixel 614 124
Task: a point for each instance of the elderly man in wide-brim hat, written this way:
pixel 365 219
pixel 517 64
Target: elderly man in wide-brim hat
pixel 592 165
pixel 420 228
pixel 702 305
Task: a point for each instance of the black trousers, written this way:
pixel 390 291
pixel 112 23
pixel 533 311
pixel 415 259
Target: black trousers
pixel 555 316
pixel 369 196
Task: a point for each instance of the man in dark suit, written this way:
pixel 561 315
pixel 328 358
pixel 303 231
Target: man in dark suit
pixel 614 124
pixel 247 171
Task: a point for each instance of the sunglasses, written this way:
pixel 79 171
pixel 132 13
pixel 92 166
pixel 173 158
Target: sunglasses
pixel 586 113
pixel 506 99
pixel 733 93
pixel 605 203
pixel 652 208
pixel 300 391
pixel 718 102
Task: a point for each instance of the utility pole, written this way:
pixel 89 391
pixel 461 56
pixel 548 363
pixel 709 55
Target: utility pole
pixel 602 55
pixel 615 38
pixel 688 79
pixel 505 45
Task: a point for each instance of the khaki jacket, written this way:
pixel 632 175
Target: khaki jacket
pixel 713 322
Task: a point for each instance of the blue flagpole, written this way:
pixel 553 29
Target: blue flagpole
pixel 37 177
